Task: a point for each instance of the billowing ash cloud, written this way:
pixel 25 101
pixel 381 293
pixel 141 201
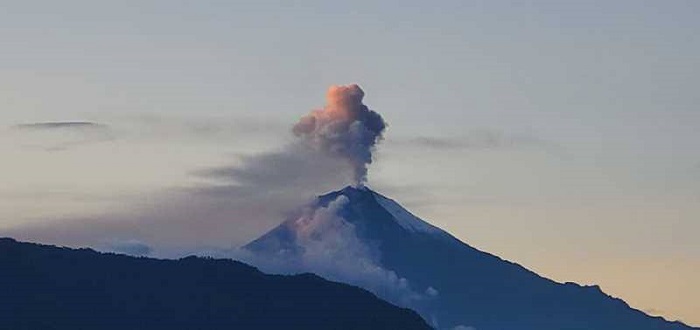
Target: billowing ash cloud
pixel 344 128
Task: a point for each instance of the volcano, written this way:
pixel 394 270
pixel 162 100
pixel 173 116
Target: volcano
pixel 361 237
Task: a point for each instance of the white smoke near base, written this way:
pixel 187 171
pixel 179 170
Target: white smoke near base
pixel 330 247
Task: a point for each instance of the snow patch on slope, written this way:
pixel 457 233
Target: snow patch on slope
pixel 405 218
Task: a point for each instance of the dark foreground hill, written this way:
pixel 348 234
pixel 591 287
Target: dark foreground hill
pixel 45 287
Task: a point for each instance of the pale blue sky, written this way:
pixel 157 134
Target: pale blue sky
pixel 590 107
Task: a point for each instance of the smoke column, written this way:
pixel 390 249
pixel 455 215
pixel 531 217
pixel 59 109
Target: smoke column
pixel 344 128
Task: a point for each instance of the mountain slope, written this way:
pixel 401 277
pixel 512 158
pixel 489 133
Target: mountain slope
pixel 44 287
pixel 455 283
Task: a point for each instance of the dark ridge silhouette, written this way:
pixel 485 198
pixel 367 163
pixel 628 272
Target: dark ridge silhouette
pixel 475 288
pixel 46 287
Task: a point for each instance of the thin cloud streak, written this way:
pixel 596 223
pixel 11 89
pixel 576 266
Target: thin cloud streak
pixel 60 135
pixel 63 135
pixel 150 126
pixel 59 125
pixel 483 140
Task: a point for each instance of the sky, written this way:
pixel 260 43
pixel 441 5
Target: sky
pixel 559 135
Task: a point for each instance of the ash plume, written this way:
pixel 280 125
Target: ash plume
pixel 344 128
